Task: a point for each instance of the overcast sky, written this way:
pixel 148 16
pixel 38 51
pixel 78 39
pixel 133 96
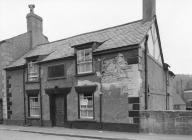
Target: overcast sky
pixel 65 18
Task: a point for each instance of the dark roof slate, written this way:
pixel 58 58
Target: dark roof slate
pixel 113 37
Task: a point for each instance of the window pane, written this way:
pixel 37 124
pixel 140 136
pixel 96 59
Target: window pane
pixel 85 67
pixel 34 106
pixel 88 55
pixel 84 60
pixel 132 60
pixel 80 56
pixel 56 71
pixel 86 105
pixel 33 71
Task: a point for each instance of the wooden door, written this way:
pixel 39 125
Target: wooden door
pixel 59 115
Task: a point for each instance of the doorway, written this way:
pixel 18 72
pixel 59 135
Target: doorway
pixel 58 109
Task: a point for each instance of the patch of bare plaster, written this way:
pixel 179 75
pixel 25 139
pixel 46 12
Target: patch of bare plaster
pixel 90 83
pixel 119 74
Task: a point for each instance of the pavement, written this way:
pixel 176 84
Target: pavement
pixel 93 134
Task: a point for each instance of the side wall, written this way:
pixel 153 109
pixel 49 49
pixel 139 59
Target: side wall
pixel 15 102
pixel 10 50
pixel 156 76
pixel 156 87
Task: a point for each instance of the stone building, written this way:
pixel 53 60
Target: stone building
pixel 13 48
pixel 96 80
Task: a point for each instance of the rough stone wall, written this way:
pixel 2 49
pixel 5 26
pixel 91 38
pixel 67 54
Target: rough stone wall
pixel 166 122
pixel 121 85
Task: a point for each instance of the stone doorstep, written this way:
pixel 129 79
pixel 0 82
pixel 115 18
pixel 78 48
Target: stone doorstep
pixel 67 135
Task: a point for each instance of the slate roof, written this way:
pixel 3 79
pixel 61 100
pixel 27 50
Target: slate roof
pixel 113 37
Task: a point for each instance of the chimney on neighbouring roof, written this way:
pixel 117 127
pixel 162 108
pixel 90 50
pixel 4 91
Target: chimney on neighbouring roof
pixel 34 25
pixel 149 9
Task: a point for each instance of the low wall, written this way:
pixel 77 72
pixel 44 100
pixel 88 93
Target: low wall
pixel 167 122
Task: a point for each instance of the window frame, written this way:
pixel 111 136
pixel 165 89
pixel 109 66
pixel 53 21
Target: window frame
pixel 33 107
pixel 84 61
pixel 32 74
pixel 86 109
pixel 58 77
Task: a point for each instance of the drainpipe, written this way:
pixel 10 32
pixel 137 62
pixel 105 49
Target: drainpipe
pixel 101 94
pixel 40 93
pixel 146 74
pixel 166 88
pixel 24 98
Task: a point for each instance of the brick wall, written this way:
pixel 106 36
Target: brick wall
pixel 167 122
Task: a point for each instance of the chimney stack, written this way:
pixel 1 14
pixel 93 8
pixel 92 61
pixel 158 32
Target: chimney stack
pixel 34 25
pixel 149 9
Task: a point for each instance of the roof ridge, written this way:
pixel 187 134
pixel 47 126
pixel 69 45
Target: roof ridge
pixel 13 37
pixel 90 32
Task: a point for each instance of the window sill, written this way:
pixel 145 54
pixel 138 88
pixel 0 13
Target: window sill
pixel 31 82
pixel 56 78
pixel 33 118
pixel 85 74
pixel 85 120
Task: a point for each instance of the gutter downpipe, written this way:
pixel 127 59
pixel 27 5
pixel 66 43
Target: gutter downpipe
pixel 166 81
pixel 101 93
pixel 40 93
pixel 146 74
pixel 24 98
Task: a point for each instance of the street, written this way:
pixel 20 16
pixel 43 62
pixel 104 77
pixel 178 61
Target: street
pixel 15 135
pixel 58 133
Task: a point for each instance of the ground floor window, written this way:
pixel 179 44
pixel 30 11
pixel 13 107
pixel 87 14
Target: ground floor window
pixel 34 106
pixel 86 106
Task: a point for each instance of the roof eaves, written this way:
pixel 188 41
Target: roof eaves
pixel 132 46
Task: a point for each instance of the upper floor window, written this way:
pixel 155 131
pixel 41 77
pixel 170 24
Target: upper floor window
pixel 84 61
pixel 33 71
pixel 56 71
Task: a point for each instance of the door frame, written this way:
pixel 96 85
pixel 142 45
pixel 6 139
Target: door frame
pixel 52 99
pixel 52 93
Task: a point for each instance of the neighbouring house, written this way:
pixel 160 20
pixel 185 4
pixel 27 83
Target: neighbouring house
pixel 187 95
pixel 178 102
pixel 96 80
pixel 13 48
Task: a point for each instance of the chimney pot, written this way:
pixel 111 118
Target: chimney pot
pixel 31 7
